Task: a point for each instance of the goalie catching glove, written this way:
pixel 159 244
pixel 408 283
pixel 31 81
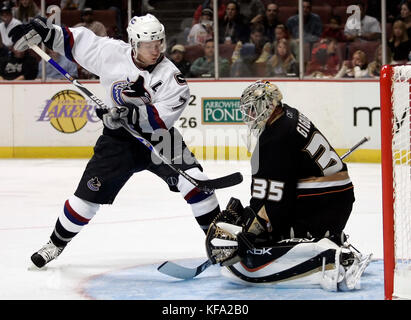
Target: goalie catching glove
pixel 232 233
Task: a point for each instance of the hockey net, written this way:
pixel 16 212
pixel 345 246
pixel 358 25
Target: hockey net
pixel 395 88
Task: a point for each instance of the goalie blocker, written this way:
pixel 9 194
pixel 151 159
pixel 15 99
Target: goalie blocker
pixel 239 239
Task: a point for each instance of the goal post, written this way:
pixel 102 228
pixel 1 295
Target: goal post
pixel 395 94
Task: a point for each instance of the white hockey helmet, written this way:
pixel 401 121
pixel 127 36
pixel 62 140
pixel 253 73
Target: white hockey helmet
pixel 258 102
pixel 145 29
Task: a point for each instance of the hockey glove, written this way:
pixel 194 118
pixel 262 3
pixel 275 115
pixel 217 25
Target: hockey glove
pixel 222 243
pixel 115 117
pixel 129 97
pixel 32 33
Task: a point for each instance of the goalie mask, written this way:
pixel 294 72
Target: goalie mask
pixel 145 29
pixel 257 104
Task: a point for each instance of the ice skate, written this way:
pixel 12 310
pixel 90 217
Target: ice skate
pixel 46 254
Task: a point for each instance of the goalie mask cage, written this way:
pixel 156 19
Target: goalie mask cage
pixel 395 88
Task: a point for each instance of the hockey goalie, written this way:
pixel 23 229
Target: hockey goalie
pixel 301 198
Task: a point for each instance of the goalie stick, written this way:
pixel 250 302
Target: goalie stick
pixel 203 185
pixel 177 271
pixel 355 147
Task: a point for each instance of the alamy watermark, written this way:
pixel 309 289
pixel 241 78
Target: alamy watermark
pixel 354 20
pixel 53 13
pixel 230 144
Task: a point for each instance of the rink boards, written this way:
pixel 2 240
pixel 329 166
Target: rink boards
pixel 55 120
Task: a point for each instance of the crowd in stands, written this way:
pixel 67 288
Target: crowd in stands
pixel 74 13
pixel 260 38
pixel 257 38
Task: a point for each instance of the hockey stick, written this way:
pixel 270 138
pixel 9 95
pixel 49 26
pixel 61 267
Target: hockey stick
pixel 361 142
pixel 177 271
pixel 203 185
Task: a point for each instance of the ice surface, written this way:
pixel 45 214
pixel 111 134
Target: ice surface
pixel 143 282
pixel 119 250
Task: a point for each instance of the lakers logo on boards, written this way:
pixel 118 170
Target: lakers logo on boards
pixel 67 111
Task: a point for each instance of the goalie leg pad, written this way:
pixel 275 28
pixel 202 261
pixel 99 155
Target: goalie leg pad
pixel 293 261
pixel 329 279
pixel 301 262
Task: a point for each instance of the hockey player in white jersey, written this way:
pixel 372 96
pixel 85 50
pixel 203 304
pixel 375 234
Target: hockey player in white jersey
pixel 143 88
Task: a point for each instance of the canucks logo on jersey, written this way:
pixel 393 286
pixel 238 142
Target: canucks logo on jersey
pixel 116 91
pixel 130 89
pixel 94 184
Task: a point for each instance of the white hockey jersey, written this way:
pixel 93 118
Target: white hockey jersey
pixel 112 61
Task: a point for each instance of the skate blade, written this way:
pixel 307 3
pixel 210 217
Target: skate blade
pixel 33 267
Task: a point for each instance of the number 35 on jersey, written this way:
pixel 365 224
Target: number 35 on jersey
pixel 267 189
